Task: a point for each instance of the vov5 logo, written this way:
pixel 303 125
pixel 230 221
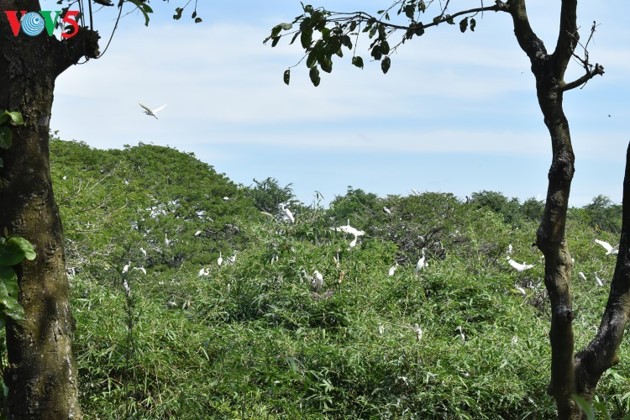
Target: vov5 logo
pixel 34 23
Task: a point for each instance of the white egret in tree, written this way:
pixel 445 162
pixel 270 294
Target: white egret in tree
pixel 610 250
pixel 317 281
pixel 232 259
pixel 519 267
pixel 354 242
pixel 599 281
pixel 287 213
pixel 220 259
pixel 198 233
pixel 204 272
pixel 582 276
pixel 126 268
pixel 520 289
pixel 461 333
pixel 422 263
pixel 144 252
pixel 167 241
pixel 392 269
pixel 388 211
pixel 418 331
pixel 142 269
pixel 152 112
pixel 510 249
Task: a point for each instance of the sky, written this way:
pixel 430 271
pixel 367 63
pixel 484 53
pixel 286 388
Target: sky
pixel 456 113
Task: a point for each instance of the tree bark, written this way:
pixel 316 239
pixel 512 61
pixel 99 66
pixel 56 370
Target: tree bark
pixel 41 374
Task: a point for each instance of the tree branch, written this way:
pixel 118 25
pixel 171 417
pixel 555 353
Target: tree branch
pixel 568 37
pixel 590 73
pixel 527 39
pixel 69 51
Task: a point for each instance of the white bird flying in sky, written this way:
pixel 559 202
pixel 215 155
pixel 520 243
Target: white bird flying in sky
pixel 610 250
pixel 519 267
pixel 152 112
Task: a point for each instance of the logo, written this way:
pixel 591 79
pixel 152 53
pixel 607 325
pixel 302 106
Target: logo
pixel 34 23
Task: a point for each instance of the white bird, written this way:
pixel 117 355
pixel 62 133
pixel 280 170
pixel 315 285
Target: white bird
pixel 392 269
pixel 519 267
pixel 349 230
pixel 204 272
pixel 610 250
pixel 126 268
pixel 226 198
pixel 198 233
pixel 422 263
pixel 287 213
pixel 418 331
pixel 232 259
pixel 388 211
pixel 354 242
pixel 167 241
pixel 317 281
pixel 140 269
pixel 582 276
pixel 521 290
pixel 461 333
pixel 220 259
pixel 144 252
pixel 599 281
pixel 150 111
pixel 510 249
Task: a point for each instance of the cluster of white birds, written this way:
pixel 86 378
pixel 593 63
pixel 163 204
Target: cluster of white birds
pixel 205 271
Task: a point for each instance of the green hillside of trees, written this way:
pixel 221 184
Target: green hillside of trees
pixel 259 337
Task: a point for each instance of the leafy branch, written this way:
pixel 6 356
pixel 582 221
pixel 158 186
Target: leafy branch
pixel 324 33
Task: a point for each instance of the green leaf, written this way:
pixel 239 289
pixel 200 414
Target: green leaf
pixel 198 20
pixel 357 61
pixel 7 276
pixel 6 137
pixel 24 245
pixel 585 407
pixel 326 64
pixel 286 77
pixel 15 117
pixel 178 13
pixel 146 9
pixel 463 25
pixel 12 308
pixel 385 64
pixel 314 75
pixel 384 48
pixel 275 40
pixel 306 37
pixel 10 255
pixel 473 24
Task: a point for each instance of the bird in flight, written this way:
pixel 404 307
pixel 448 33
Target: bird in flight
pixel 150 111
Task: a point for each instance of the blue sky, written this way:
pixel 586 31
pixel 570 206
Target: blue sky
pixel 456 112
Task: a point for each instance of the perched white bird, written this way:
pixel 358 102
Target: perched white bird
pixel 287 213
pixel 317 281
pixel 521 290
pixel 599 281
pixel 232 259
pixel 510 249
pixel 610 250
pixel 220 259
pixel 354 242
pixel 152 112
pixel 392 269
pixel 418 331
pixel 519 267
pixel 204 272
pixel 140 269
pixel 167 241
pixel 126 268
pixel 422 263
pixel 198 233
pixel 349 230
pixel 582 276
pixel 388 211
pixel 461 333
pixel 144 252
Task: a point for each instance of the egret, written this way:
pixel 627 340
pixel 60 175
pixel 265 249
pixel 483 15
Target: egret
pixel 599 281
pixel 167 241
pixel 521 290
pixel 152 112
pixel 126 268
pixel 461 333
pixel 287 213
pixel 199 232
pixel 388 211
pixel 582 276
pixel 392 269
pixel 354 242
pixel 226 198
pixel 204 272
pixel 127 288
pixel 232 259
pixel 349 230
pixel 519 267
pixel 144 252
pixel 610 250
pixel 510 249
pixel 422 263
pixel 220 259
pixel 381 329
pixel 418 331
pixel 140 269
pixel 317 281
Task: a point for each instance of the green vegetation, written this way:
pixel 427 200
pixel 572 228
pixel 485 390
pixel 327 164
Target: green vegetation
pixel 254 339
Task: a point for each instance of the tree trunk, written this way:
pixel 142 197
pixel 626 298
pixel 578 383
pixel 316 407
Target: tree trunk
pixel 41 374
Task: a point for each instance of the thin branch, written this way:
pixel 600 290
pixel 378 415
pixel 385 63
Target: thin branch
pixel 590 73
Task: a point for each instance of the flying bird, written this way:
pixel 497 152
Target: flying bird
pixel 610 250
pixel 150 111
